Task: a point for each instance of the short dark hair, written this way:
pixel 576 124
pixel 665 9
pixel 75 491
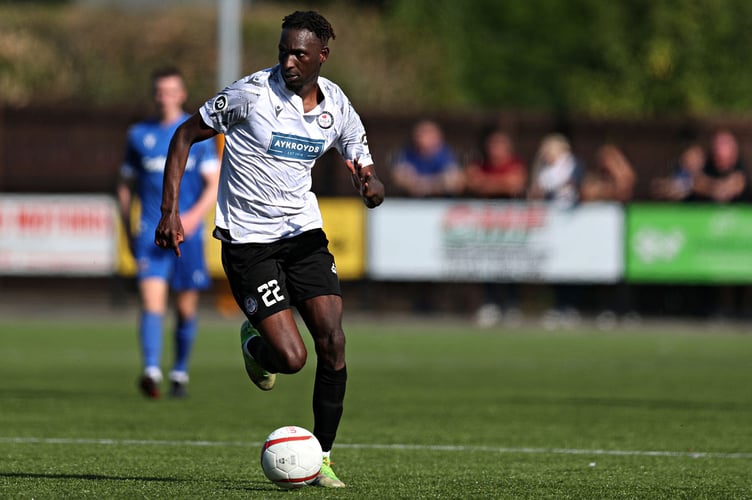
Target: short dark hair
pixel 166 71
pixel 311 21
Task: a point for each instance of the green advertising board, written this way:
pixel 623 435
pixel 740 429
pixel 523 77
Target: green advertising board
pixel 697 243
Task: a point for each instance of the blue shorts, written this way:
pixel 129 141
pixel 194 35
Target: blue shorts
pixel 187 272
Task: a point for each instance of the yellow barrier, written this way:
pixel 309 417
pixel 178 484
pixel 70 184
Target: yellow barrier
pixel 344 223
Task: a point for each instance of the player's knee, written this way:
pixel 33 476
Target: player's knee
pixel 331 343
pixel 293 360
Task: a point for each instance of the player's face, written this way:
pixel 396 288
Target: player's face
pixel 301 55
pixel 169 95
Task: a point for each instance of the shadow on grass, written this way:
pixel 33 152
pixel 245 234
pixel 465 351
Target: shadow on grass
pixel 93 477
pixel 253 486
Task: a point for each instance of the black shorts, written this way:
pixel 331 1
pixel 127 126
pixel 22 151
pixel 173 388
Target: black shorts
pixel 266 278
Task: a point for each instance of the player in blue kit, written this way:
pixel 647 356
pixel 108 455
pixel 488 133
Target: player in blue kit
pixel 160 271
pixel 277 122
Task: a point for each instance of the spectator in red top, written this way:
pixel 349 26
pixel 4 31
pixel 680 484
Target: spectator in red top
pixel 499 172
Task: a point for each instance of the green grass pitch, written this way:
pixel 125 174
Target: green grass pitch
pixel 432 411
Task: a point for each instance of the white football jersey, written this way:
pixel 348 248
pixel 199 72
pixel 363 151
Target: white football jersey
pixel 271 145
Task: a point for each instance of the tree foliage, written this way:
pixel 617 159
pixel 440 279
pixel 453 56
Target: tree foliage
pixel 642 57
pixel 619 59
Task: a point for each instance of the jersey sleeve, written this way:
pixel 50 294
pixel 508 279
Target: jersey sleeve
pixel 232 105
pixel 353 142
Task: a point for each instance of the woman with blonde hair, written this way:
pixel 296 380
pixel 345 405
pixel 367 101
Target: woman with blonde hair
pixel 557 173
pixel 556 179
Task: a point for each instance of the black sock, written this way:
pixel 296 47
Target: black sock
pixel 328 398
pixel 258 348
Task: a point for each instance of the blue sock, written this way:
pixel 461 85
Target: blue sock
pixel 185 334
pixel 150 335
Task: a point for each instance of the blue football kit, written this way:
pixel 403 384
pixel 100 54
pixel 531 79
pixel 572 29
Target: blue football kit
pixel 145 157
pixel 146 153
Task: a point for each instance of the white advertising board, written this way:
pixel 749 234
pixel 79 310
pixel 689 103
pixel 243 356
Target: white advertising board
pixel 57 235
pixel 474 240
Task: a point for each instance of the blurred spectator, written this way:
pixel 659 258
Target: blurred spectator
pixel 497 173
pixel 557 178
pixel 679 185
pixel 427 166
pixel 613 178
pixel 724 176
pixel 724 179
pixel 557 173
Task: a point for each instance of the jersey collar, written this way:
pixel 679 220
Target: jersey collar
pixel 283 92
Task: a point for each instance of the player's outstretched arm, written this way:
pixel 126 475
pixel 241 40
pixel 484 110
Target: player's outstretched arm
pixel 369 186
pixel 169 232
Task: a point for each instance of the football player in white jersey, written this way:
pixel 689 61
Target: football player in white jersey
pixel 277 122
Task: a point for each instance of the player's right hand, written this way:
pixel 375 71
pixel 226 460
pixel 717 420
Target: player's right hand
pixel 169 233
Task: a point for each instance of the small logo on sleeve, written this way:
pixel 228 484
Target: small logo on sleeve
pixel 220 103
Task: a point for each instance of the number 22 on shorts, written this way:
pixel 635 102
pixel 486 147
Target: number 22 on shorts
pixel 270 293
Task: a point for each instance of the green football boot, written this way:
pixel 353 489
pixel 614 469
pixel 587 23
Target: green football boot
pixel 327 478
pixel 262 378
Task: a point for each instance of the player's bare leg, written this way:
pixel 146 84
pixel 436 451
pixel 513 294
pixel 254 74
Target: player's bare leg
pixel 283 350
pixel 275 346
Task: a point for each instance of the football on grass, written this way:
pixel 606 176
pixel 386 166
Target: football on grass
pixel 291 457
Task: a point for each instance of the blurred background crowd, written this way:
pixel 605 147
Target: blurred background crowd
pixel 562 102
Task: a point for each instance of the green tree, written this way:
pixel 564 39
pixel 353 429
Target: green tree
pixel 631 58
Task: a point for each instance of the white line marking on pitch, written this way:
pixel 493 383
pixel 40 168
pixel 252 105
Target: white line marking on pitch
pixel 416 447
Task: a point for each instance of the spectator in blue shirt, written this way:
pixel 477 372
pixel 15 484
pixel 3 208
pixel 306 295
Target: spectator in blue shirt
pixel 427 166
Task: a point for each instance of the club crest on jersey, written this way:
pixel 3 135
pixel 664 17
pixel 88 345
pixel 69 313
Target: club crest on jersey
pixel 325 120
pixel 295 147
pixel 150 141
pixel 220 103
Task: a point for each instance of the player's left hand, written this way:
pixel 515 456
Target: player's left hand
pixel 169 233
pixel 365 181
